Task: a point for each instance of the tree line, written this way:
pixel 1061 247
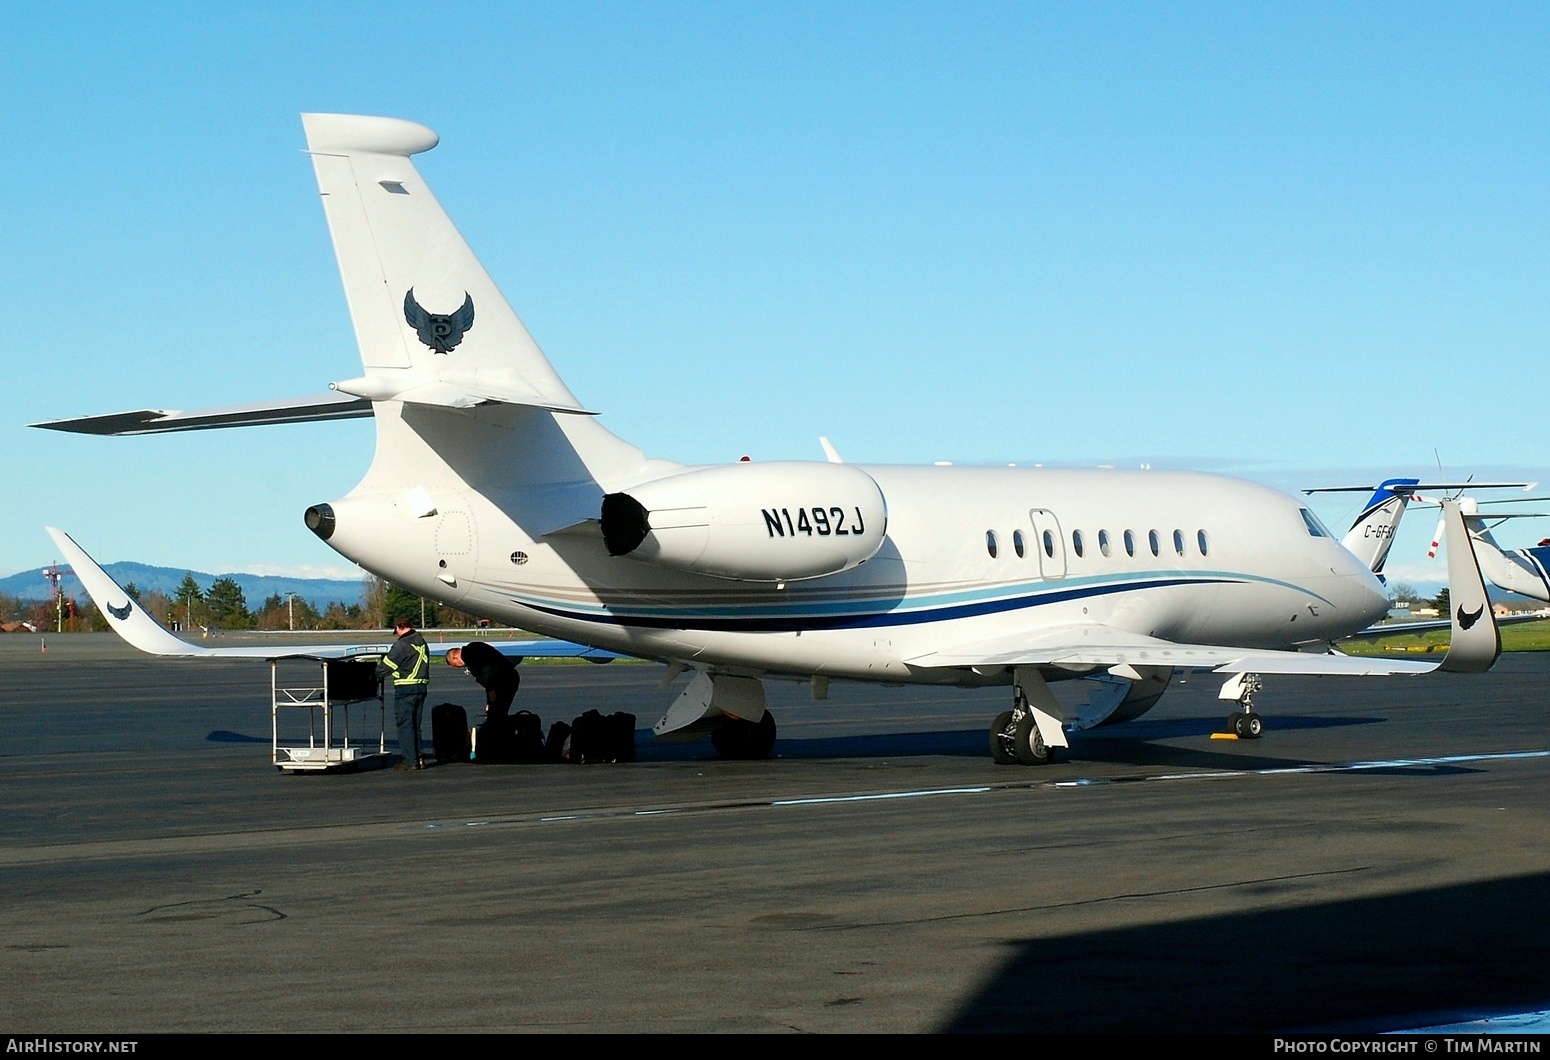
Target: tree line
pixel 224 606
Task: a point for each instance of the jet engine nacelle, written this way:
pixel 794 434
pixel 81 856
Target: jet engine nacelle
pixel 770 522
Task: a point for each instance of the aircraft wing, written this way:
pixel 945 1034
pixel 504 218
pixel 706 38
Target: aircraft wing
pixel 1395 629
pixel 142 631
pixel 331 406
pixel 1093 644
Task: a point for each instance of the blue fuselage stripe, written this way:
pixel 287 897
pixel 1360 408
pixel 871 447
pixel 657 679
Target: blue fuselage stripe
pixel 792 623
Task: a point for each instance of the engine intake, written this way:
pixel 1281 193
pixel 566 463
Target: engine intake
pixel 775 522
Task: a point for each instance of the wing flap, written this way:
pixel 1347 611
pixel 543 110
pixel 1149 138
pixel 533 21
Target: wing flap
pixel 1099 645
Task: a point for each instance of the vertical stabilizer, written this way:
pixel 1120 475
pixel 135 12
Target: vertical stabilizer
pixel 420 300
pixel 1372 534
pixel 462 394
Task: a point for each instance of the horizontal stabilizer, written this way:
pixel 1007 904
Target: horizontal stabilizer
pixel 163 421
pixel 148 635
pixel 1401 629
pixel 1417 486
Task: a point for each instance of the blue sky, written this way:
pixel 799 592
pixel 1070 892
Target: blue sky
pixel 1305 244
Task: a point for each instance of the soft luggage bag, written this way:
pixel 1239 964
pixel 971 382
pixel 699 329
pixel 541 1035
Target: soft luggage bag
pixel 595 738
pixel 492 744
pixel 449 733
pixel 517 737
pixel 557 747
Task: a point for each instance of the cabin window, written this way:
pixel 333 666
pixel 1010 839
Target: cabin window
pixel 990 543
pixel 1151 539
pixel 1130 543
pixel 1178 542
pixel 1103 542
pixel 1049 544
pixel 1315 528
pixel 1076 542
pixel 1017 543
pixel 1200 539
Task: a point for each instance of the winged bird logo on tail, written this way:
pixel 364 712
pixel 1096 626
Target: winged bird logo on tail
pixel 1469 618
pixel 120 613
pixel 440 331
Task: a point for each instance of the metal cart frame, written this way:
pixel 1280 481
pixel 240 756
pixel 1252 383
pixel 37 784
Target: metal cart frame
pixel 326 754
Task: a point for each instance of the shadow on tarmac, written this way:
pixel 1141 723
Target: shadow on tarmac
pixel 1138 743
pixel 1424 957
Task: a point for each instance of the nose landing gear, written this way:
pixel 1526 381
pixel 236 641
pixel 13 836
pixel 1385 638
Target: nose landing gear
pixel 1243 722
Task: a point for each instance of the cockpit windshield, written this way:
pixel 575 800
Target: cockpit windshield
pixel 1315 528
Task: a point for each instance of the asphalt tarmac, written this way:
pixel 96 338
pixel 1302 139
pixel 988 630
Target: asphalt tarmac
pixel 1380 860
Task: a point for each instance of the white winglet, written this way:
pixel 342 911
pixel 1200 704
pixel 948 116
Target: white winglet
pixel 126 617
pixel 829 451
pixel 1476 642
pixel 142 631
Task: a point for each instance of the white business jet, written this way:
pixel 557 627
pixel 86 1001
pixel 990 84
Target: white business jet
pixel 495 490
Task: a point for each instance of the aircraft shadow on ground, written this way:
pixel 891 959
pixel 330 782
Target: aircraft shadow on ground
pixel 1131 744
pixel 1389 963
pixel 1136 743
pixel 227 736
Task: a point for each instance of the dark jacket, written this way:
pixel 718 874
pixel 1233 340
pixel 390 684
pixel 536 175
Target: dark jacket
pixel 489 667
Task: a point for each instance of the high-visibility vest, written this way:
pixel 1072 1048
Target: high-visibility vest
pixel 418 673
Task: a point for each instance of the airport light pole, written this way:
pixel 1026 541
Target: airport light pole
pixel 290 609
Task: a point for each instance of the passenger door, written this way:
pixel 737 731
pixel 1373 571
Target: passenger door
pixel 1048 543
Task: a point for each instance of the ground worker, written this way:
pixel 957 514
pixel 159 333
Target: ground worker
pixel 408 664
pixel 496 674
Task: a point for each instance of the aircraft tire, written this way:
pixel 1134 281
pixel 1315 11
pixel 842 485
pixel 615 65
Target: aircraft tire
pixel 761 737
pixel 741 741
pixel 1029 744
pixel 1253 727
pixel 1001 744
pixel 731 740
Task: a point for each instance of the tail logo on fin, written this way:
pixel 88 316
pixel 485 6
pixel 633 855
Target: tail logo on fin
pixel 1468 619
pixel 120 613
pixel 440 331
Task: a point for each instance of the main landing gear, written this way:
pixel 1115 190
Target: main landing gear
pixel 1015 740
pixel 1028 734
pixel 1243 722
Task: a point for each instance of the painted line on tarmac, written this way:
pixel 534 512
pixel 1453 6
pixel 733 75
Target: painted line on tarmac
pixel 289 838
pixel 1356 767
pixel 923 793
pixel 1028 785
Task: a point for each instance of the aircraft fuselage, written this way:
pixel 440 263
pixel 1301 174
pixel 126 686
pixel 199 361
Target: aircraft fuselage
pixel 1186 557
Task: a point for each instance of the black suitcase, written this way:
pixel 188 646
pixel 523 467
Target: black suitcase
pixel 621 737
pixel 588 738
pixel 527 737
pixel 449 733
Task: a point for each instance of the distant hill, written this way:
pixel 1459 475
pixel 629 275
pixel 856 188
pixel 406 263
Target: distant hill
pixel 256 588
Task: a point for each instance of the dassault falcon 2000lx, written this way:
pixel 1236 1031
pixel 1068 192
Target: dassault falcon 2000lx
pixel 495 490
